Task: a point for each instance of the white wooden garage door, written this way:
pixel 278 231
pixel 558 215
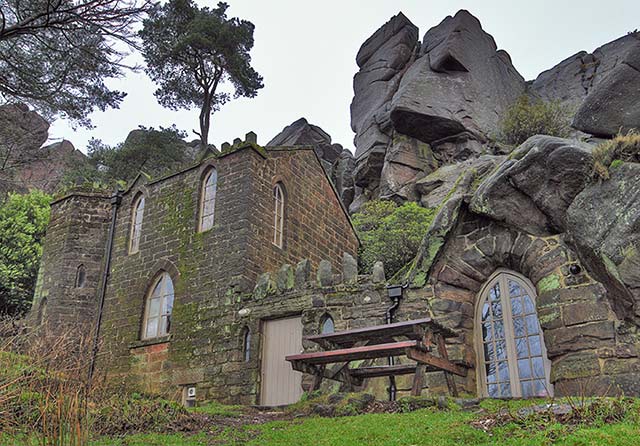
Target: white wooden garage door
pixel 280 383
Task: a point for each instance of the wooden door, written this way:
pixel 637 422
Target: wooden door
pixel 280 383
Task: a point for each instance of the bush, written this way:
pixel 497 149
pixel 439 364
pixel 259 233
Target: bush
pixel 390 233
pixel 611 153
pixel 23 222
pixel 526 118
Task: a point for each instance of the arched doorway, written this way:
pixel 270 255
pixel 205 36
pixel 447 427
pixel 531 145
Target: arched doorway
pixel 512 359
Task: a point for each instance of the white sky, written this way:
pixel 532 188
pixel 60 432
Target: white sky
pixel 305 50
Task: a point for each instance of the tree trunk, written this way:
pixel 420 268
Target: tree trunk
pixel 205 118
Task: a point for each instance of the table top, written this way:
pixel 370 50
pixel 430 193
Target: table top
pixel 413 329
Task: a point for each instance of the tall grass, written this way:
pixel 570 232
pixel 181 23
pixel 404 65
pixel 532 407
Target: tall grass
pixel 622 148
pixel 43 384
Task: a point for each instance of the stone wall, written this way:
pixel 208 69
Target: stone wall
pixel 591 351
pixel 316 225
pixel 214 351
pixel 76 236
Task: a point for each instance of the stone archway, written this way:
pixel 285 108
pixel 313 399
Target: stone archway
pixel 573 309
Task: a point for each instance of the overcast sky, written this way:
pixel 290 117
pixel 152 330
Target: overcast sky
pixel 305 50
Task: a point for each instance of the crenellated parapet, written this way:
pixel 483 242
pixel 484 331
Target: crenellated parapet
pixel 301 277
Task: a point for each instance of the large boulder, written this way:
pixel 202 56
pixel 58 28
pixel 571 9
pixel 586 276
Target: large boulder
pixel 301 133
pixel 419 106
pixel 342 176
pixel 48 171
pixel 461 82
pixel 337 162
pixel 533 189
pixel 406 160
pixel 440 185
pixel 601 88
pixel 22 133
pixel 603 223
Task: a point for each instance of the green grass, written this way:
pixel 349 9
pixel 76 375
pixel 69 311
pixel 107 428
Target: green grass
pixel 434 428
pixel 217 409
pixel 422 427
pixel 428 427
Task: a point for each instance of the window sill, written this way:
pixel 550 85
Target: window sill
pixel 152 341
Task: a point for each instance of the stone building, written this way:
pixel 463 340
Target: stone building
pixel 220 270
pixel 186 250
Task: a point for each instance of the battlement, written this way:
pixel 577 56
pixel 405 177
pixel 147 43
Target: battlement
pixel 301 278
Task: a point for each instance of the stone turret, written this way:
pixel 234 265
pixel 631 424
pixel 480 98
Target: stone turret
pixel 72 261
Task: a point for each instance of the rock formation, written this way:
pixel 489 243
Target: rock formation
pixel 421 105
pixel 301 133
pixel 427 115
pixel 47 172
pixel 24 162
pixel 337 162
pixel 602 88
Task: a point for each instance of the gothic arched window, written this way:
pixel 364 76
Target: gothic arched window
pixel 136 224
pixel 512 359
pixel 278 221
pixel 327 325
pixel 159 304
pixel 208 200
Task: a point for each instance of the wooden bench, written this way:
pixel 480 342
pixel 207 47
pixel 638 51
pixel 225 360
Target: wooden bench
pixel 420 338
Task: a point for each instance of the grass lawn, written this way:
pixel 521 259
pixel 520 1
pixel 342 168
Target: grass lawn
pixel 428 427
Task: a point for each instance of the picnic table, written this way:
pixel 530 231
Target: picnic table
pixel 418 340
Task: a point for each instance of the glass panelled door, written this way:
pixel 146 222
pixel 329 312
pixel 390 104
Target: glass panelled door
pixel 513 360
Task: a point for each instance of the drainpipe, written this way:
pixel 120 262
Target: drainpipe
pixel 116 199
pixel 395 294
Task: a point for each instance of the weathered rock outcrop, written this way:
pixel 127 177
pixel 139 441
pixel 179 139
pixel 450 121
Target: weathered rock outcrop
pixel 342 177
pixel 440 100
pixel 48 172
pixel 533 189
pixel 24 163
pixel 382 59
pixel 420 105
pixel 439 186
pixel 406 160
pixel 601 88
pixel 337 162
pixel 301 133
pixel 604 225
pixel 460 82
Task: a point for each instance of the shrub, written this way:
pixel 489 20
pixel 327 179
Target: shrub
pixel 390 233
pixel 23 221
pixel 526 118
pixel 611 153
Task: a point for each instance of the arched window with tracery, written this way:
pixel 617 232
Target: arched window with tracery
pixel 136 224
pixel 158 308
pixel 208 192
pixel 327 326
pixel 512 359
pixel 278 221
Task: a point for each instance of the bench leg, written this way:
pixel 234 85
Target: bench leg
pixel 442 350
pixel 317 378
pixel 418 381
